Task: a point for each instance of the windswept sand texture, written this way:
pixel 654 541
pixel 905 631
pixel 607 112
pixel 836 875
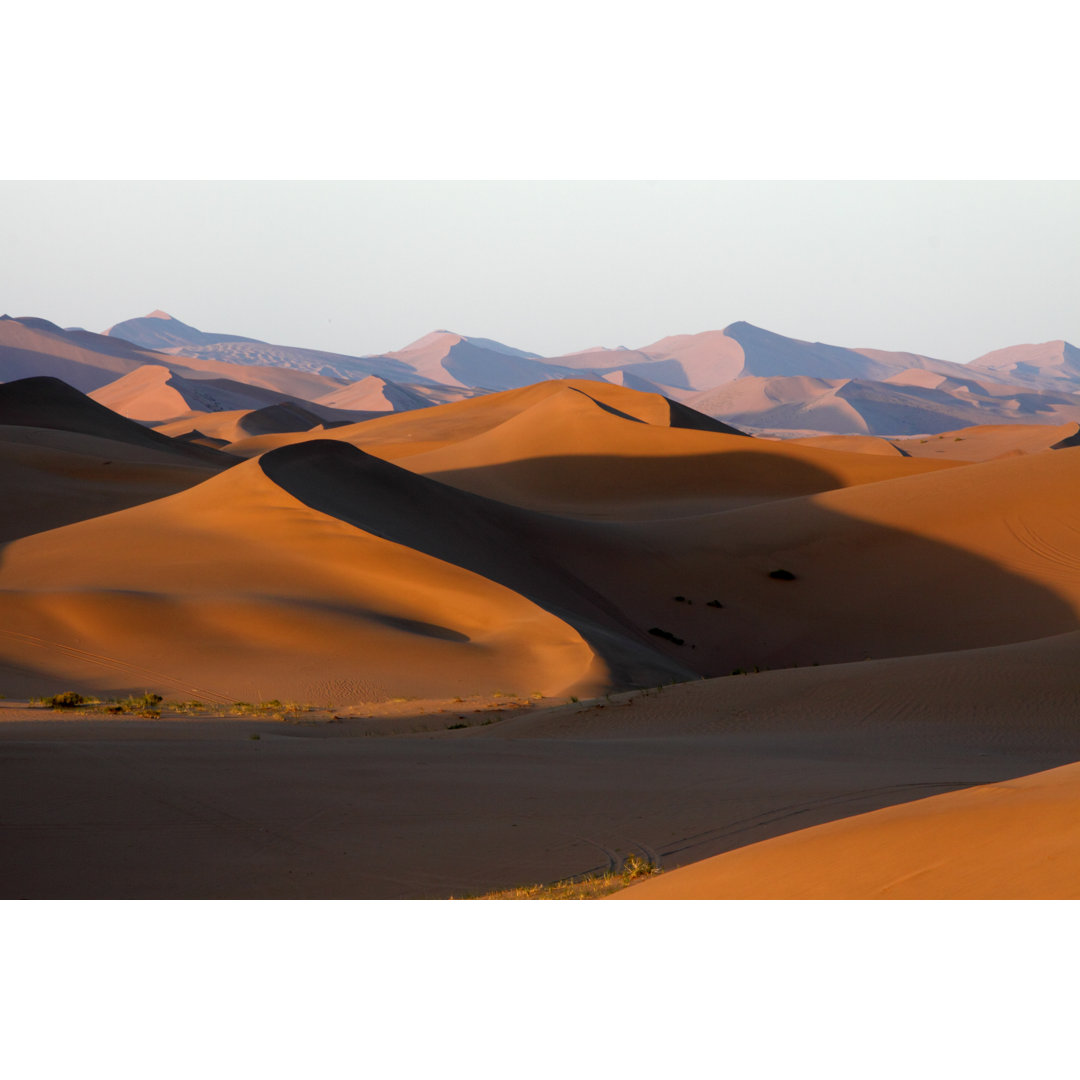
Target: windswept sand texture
pixel 838 665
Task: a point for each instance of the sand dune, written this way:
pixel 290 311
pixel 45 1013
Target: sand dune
pixel 917 564
pixel 570 452
pixel 1014 840
pixel 571 537
pixel 448 358
pixel 853 444
pixel 985 442
pixel 65 458
pixel 159 330
pixel 912 402
pixel 86 361
pixel 50 403
pixel 1048 365
pixel 154 394
pixel 50 478
pixel 1005 694
pixel 236 589
pixel 376 395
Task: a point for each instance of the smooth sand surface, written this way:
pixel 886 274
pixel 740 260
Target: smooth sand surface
pixel 1014 840
pixel 986 442
pixel 236 589
pixel 852 444
pixel 50 478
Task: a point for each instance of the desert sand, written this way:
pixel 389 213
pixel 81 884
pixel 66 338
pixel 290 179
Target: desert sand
pixel 1014 840
pixel 527 632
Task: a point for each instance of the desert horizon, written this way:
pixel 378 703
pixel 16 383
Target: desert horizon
pixel 723 613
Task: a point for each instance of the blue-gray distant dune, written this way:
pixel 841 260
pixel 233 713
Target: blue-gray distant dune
pixel 1050 365
pixel 159 330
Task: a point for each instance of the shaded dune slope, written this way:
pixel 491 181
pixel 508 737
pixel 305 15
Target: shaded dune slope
pixel 236 589
pixel 520 550
pixel 45 402
pixel 961 558
pixel 1024 692
pixel 50 478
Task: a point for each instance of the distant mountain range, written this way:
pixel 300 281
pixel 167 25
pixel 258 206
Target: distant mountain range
pixel 743 375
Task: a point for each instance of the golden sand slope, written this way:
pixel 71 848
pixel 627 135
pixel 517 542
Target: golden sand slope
pixel 1014 840
pixel 852 444
pixel 594 449
pixel 237 588
pixel 987 442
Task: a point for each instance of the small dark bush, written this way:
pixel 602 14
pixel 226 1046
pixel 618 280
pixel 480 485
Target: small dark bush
pixel 680 599
pixel 781 575
pixel 67 700
pixel 667 635
pixel 454 727
pixel 714 603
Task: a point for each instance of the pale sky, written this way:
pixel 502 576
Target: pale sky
pixel 952 269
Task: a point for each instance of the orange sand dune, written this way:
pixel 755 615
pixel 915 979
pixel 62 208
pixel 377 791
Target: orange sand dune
pixel 927 562
pixel 987 441
pixel 600 450
pixel 852 444
pixel 961 558
pixel 235 589
pixel 400 435
pixel 1014 840
pixel 340 589
pixel 569 453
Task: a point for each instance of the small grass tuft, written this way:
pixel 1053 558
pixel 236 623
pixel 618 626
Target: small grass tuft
pixel 592 887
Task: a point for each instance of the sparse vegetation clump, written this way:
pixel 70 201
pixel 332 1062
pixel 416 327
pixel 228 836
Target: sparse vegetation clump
pixel 68 699
pixel 781 575
pixel 591 887
pixel 667 635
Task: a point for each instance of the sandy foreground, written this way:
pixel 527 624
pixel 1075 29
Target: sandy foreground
pixel 318 806
pixel 861 642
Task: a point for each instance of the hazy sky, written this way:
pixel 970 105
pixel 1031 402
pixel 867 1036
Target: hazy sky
pixel 951 269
